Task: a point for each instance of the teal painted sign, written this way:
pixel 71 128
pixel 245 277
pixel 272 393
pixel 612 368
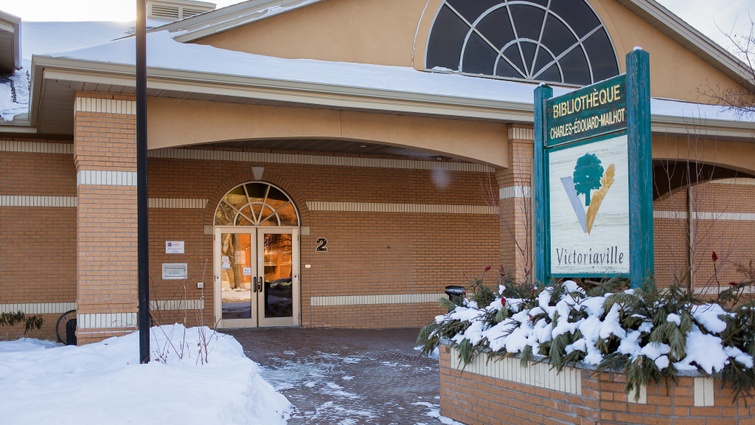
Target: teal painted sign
pixel 593 179
pixel 588 112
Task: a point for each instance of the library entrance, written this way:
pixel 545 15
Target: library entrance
pixel 256 258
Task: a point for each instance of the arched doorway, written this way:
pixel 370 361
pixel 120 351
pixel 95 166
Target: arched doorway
pixel 256 258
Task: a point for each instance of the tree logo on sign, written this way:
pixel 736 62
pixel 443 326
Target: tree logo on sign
pixel 588 176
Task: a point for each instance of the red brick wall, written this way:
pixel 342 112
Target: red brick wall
pixel 368 253
pixel 106 220
pixel 515 211
pixel 37 244
pixel 476 399
pixel 719 230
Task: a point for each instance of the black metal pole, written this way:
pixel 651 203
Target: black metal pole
pixel 141 179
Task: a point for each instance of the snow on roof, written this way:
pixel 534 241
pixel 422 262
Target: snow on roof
pixel 166 53
pixel 48 37
pixel 14 95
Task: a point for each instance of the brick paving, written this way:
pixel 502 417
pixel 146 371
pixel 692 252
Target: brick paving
pixel 347 376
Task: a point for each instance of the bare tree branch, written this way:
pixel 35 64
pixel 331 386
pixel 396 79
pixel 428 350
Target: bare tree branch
pixel 740 99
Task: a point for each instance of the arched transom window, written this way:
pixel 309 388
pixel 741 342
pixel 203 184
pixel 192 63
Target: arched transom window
pixel 558 41
pixel 256 204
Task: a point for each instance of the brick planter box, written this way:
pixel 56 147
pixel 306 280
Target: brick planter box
pixel 504 392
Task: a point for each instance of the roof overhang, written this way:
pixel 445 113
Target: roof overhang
pixel 10 43
pixel 56 81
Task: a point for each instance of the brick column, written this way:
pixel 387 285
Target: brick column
pixel 515 204
pixel 105 157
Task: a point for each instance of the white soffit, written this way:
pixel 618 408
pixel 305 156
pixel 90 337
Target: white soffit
pixel 53 96
pixel 10 46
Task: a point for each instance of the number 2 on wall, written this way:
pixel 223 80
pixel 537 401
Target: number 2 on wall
pixel 322 245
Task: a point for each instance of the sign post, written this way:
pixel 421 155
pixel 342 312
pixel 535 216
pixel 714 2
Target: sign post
pixel 593 179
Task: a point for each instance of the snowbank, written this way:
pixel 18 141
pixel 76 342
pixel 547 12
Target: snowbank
pixel 42 383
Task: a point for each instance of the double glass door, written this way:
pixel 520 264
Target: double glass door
pixel 256 276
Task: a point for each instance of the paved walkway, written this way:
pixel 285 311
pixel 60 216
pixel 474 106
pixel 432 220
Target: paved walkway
pixel 347 376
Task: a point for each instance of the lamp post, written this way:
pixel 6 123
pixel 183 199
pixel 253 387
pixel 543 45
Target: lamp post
pixel 141 179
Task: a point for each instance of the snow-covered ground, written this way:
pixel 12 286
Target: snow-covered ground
pixel 42 382
pixel 103 383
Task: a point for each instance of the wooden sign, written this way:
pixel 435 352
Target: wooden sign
pixel 593 179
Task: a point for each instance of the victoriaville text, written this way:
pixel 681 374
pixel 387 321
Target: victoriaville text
pixel 610 255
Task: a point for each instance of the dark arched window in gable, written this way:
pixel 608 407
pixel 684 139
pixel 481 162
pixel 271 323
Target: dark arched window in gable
pixel 558 41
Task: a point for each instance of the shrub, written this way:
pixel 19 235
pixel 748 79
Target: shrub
pixel 30 322
pixel 649 334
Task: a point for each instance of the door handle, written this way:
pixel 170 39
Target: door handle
pixel 254 284
pixel 260 282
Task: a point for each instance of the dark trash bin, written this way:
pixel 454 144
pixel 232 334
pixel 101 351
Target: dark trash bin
pixel 456 294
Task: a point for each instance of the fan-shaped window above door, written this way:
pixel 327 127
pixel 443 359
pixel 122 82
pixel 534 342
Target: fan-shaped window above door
pixel 256 204
pixel 557 41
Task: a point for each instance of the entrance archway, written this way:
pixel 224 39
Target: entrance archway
pixel 256 258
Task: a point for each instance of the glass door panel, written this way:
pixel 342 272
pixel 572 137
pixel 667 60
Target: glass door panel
pixel 279 276
pixel 236 271
pixel 278 298
pixel 256 276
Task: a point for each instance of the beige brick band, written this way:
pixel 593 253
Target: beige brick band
pixel 36 147
pixel 38 308
pixel 514 192
pixel 71 201
pixel 179 203
pixel 682 215
pixel 519 133
pixel 176 305
pixel 540 375
pixel 399 208
pixel 375 299
pixel 334 161
pixel 106 178
pixel 105 106
pixel 38 201
pixel 60 308
pixel 106 320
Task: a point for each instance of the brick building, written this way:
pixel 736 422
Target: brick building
pixel 337 163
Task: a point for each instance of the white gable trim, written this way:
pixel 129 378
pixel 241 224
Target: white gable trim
pixel 233 16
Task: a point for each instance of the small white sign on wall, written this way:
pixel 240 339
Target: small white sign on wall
pixel 174 247
pixel 175 271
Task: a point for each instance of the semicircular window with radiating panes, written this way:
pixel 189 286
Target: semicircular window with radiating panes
pixel 256 204
pixel 557 41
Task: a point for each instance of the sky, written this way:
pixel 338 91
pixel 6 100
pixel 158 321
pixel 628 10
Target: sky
pixel 714 18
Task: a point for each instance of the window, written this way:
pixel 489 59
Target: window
pixel 256 204
pixel 558 41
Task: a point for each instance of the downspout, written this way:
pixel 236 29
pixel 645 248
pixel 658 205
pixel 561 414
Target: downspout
pixel 691 241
